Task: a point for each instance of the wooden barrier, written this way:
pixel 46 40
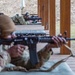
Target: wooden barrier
pixel 48 7
pixel 65 21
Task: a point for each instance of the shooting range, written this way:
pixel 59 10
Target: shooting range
pixel 42 21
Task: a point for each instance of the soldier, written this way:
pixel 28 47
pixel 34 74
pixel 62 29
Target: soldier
pixel 19 56
pixel 18 20
pixel 6 28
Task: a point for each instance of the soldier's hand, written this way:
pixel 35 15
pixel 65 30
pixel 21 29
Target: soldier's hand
pixel 58 41
pixel 16 50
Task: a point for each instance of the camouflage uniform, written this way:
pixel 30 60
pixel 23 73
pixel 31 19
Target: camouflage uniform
pixel 7 26
pixel 18 20
pixel 4 59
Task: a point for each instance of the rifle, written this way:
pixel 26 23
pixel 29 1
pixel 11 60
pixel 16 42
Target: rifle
pixel 30 32
pixel 31 42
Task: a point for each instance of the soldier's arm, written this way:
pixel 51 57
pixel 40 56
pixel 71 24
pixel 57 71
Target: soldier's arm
pixel 4 59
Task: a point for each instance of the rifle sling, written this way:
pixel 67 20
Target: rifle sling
pixel 56 64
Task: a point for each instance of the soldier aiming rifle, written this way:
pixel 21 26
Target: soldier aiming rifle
pixel 14 54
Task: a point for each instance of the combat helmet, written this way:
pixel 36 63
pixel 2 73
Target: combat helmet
pixel 7 26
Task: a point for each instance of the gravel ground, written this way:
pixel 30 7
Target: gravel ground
pixel 11 7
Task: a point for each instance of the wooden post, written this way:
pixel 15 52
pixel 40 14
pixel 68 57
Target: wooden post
pixel 46 14
pixel 41 10
pixel 51 13
pixel 39 6
pixel 65 22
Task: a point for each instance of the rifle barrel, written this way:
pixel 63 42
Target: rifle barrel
pixel 69 39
